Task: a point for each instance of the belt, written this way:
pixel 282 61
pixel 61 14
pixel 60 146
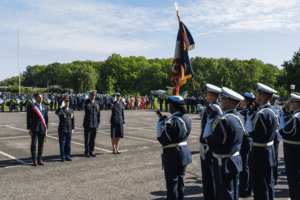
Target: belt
pixel 220 156
pixel 291 142
pixel 175 145
pixel 262 144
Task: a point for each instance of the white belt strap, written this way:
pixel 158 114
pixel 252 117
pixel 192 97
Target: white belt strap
pixel 220 156
pixel 175 145
pixel 262 144
pixel 291 142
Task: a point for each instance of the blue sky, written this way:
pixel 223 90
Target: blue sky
pixel 67 30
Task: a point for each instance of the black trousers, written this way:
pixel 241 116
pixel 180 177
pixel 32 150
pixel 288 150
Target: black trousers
pixel 292 167
pixel 160 106
pixel 245 183
pixel 188 108
pixel 166 107
pixel 174 181
pixel 229 187
pixel 276 148
pixel 89 139
pixel 262 182
pixel 209 187
pixel 40 137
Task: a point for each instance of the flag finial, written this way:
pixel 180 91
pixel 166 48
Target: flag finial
pixel 176 8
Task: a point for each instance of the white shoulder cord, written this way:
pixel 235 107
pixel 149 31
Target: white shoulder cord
pixel 294 124
pixel 258 114
pixel 223 129
pixel 218 107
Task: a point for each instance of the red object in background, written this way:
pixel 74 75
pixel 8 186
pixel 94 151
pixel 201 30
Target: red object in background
pixel 143 103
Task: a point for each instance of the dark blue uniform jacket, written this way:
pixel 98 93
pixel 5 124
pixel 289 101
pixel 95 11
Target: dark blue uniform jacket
pixel 180 155
pixel 227 138
pixel 66 121
pixel 92 114
pixel 117 116
pixel 265 130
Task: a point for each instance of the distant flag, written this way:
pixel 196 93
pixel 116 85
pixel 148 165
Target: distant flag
pixel 181 66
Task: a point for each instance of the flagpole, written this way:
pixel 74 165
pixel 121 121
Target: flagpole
pixel 178 16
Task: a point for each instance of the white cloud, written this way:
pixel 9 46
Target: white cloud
pixel 105 28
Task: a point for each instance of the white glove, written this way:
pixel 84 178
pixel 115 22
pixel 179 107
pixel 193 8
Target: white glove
pixel 62 104
pixel 72 130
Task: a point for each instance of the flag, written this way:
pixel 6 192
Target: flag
pixel 181 66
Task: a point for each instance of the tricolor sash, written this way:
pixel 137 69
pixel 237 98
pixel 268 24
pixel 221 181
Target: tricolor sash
pixel 40 114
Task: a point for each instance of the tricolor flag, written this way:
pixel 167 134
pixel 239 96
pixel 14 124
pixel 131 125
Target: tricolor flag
pixel 181 67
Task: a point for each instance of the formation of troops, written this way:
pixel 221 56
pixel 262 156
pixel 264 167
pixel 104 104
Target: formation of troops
pixel 238 148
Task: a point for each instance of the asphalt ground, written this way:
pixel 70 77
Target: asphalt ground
pixel 135 174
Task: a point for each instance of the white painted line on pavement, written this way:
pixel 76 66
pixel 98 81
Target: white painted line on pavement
pixel 135 138
pixel 21 161
pixel 17 128
pixel 4 138
pixel 81 144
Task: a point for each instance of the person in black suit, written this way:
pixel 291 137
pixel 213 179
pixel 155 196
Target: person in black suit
pixel 37 125
pixel 65 129
pixel 117 120
pixel 90 123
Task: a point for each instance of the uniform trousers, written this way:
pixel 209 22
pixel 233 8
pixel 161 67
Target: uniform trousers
pixel 89 139
pixel 174 182
pixel 228 190
pixel 160 107
pixel 262 182
pixel 209 188
pixel 166 105
pixel 276 148
pixel 65 144
pixel 37 136
pixel 292 167
pixel 188 108
pixel 245 183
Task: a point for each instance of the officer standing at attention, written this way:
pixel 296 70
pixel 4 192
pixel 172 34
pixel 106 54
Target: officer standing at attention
pixel 210 113
pixel 52 103
pixel 71 102
pixel 172 133
pixel 90 123
pixel 65 129
pixel 166 104
pixel 117 122
pixel 262 156
pixel 278 137
pixel 249 109
pixel 161 101
pixel 290 132
pixel 37 125
pixel 188 102
pixel 226 141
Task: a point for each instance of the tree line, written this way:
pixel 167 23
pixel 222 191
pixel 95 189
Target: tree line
pixel 138 75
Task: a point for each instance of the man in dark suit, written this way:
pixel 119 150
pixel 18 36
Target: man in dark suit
pixel 65 129
pixel 91 123
pixel 37 125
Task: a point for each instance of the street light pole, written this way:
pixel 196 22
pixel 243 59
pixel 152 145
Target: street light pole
pixel 19 62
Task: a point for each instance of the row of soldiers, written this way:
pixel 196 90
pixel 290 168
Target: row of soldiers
pixel 191 103
pixel 238 150
pixel 77 101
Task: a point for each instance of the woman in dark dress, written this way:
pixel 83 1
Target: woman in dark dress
pixel 117 120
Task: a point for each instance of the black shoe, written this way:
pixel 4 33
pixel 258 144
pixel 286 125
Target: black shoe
pixel 93 155
pixel 62 160
pixel 87 155
pixel 118 152
pixel 68 159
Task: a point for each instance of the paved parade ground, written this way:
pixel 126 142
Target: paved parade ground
pixel 135 174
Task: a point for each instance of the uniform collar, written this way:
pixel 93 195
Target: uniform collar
pixel 176 113
pixel 266 105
